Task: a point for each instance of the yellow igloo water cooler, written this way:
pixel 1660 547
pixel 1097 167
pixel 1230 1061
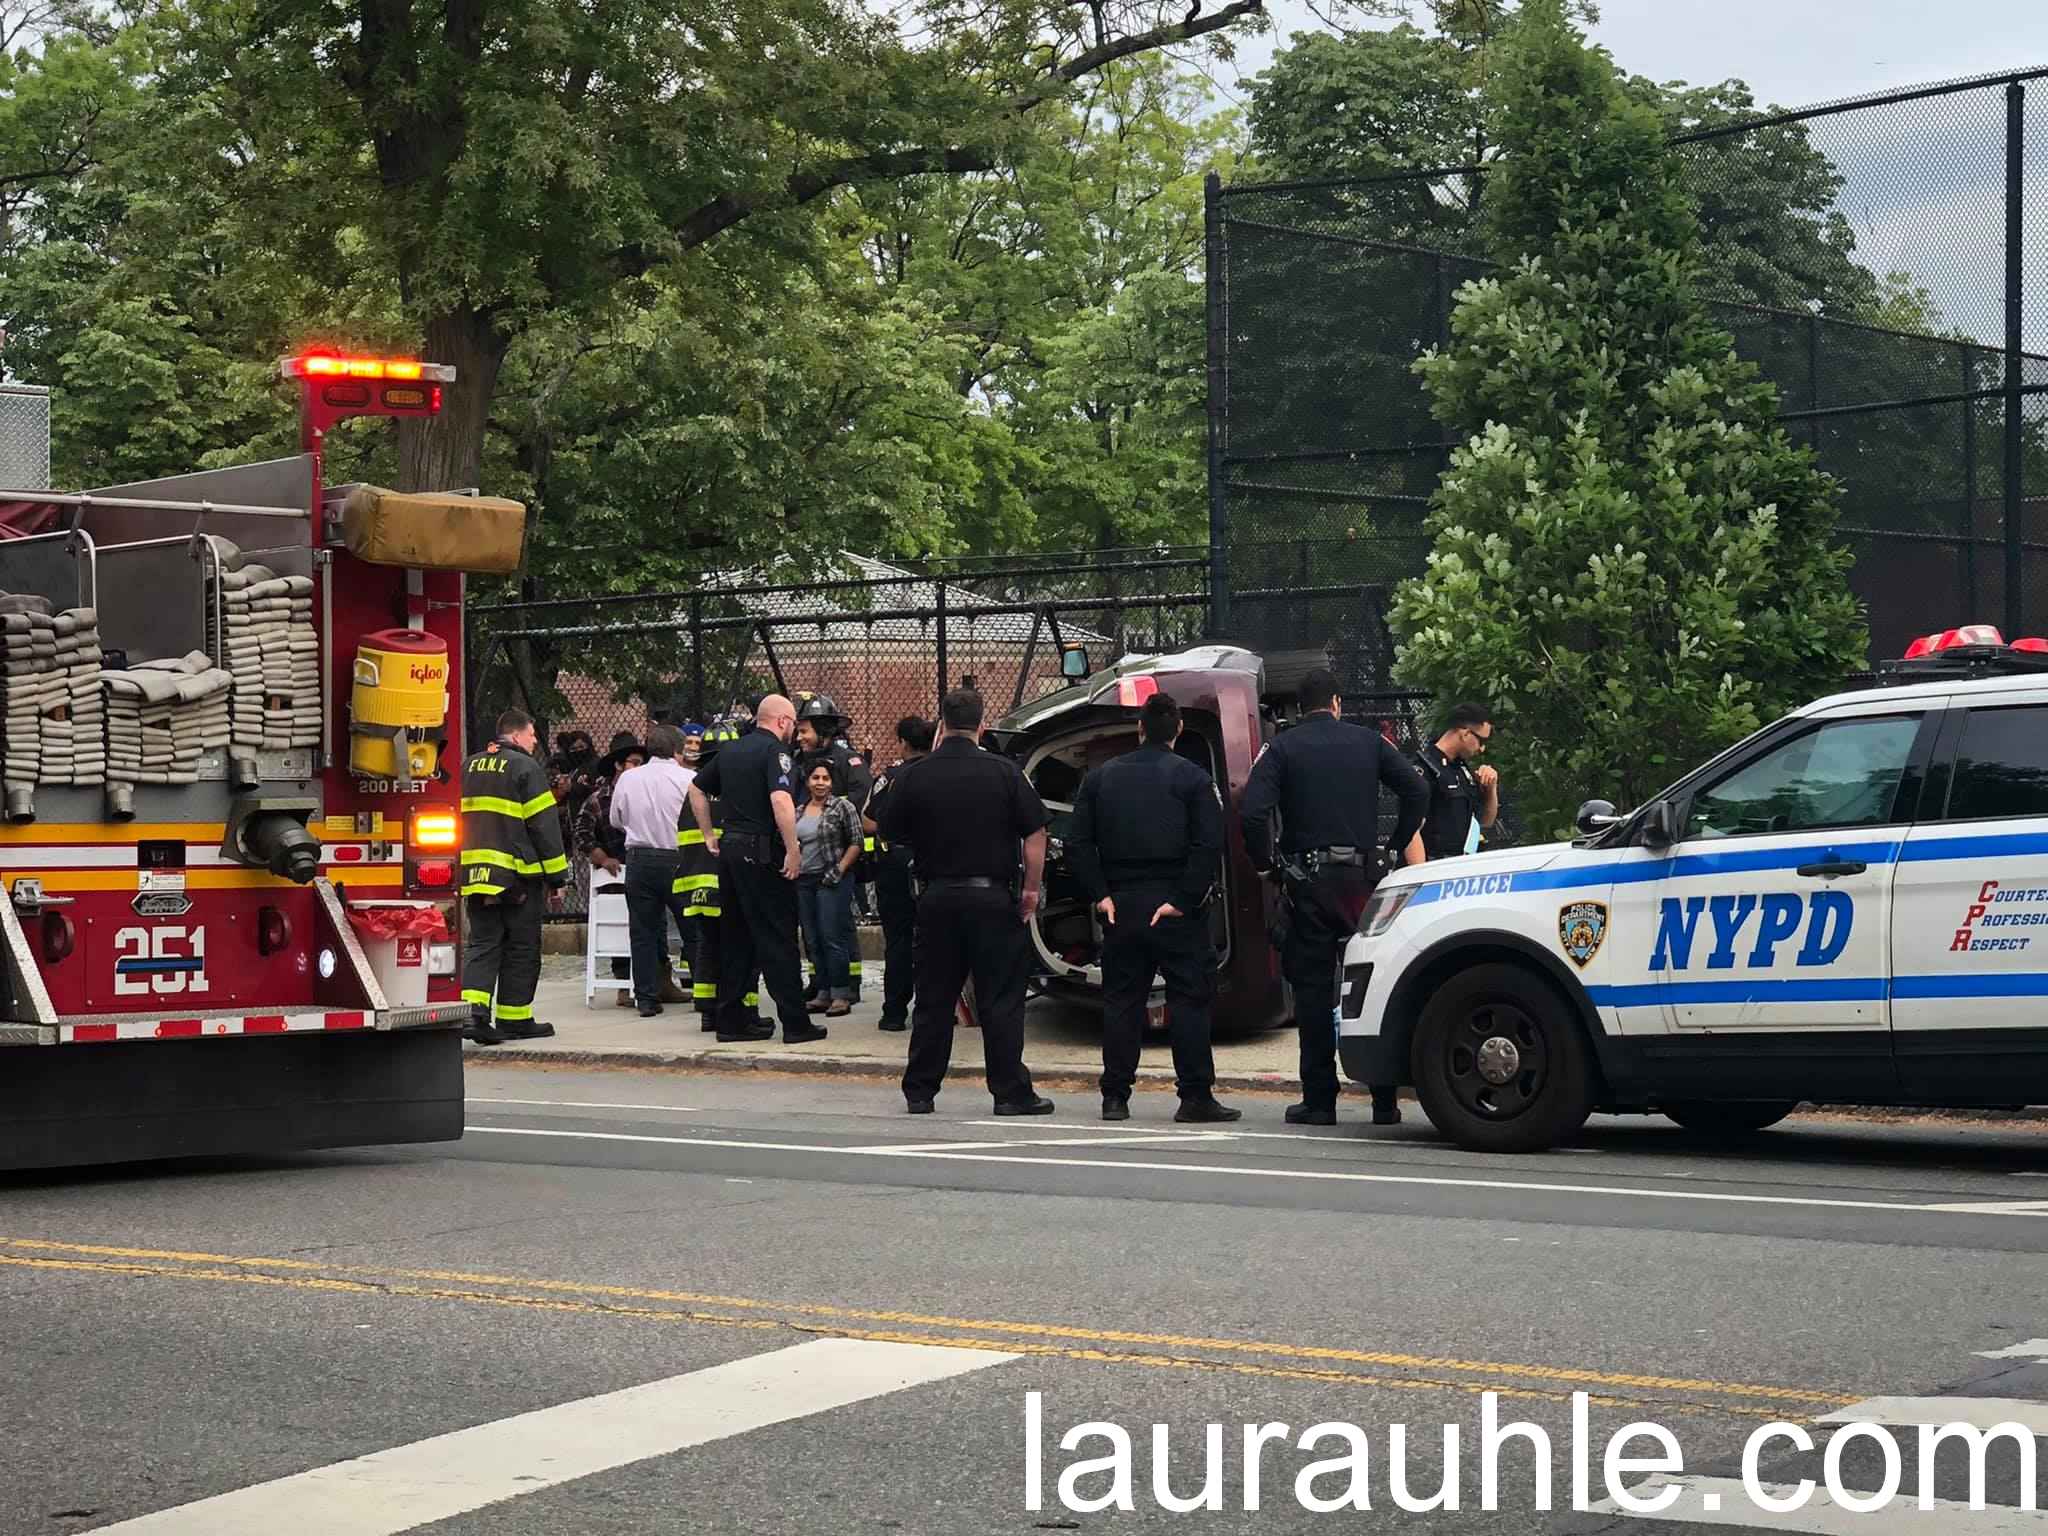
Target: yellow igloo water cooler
pixel 398 709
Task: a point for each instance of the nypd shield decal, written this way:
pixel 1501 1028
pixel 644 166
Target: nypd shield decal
pixel 1581 926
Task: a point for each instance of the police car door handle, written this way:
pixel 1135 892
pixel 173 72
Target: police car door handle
pixel 1832 868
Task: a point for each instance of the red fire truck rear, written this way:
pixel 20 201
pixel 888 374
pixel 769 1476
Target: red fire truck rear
pixel 232 757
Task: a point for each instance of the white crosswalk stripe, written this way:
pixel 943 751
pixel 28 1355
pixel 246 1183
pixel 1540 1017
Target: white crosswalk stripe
pixel 396 1490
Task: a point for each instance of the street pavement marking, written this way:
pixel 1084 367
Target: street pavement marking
pixel 940 1152
pixel 1982 1412
pixel 413 1485
pixel 1567 1376
pixel 676 1109
pixel 1723 1501
pixel 1007 1347
pixel 2035 1350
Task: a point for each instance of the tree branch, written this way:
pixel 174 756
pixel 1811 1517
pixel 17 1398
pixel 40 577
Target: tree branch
pixel 724 211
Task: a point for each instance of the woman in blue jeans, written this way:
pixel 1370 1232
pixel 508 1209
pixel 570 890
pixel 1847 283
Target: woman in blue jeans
pixel 828 837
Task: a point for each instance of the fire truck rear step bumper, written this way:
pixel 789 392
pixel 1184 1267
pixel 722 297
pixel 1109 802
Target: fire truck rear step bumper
pixel 196 1098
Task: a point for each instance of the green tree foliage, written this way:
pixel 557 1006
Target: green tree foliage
pixel 1631 561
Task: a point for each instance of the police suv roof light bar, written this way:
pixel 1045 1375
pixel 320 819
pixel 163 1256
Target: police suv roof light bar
pixel 1972 650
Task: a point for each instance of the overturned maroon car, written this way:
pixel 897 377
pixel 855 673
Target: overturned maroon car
pixel 1232 700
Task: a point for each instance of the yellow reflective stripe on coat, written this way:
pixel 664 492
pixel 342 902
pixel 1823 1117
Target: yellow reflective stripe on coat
pixel 514 1012
pixel 496 803
pixel 689 837
pixel 694 883
pixel 558 865
pixel 544 801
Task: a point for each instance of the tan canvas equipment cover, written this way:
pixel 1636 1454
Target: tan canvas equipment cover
pixel 433 531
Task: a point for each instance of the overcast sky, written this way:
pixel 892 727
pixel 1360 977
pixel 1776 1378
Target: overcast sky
pixel 1924 184
pixel 1792 52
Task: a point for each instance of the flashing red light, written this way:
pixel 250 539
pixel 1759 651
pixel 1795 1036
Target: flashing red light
pixel 1953 639
pixel 1133 691
pixel 332 365
pixel 434 872
pixel 2031 643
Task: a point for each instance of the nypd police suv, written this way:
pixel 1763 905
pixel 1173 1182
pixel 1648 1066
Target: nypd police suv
pixel 1842 908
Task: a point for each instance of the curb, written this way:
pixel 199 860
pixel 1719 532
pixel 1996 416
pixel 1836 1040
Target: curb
pixel 734 1062
pixel 1076 1079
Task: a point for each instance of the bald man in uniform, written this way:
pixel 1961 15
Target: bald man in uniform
pixel 753 781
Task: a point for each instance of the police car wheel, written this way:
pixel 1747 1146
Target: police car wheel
pixel 1499 1063
pixel 1727 1119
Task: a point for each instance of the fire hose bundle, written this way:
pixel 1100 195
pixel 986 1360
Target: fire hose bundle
pixel 162 716
pixel 261 630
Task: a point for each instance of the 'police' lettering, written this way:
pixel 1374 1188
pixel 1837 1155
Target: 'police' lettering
pixel 1829 915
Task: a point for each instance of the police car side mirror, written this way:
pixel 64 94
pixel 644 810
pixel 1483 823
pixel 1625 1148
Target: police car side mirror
pixel 1596 816
pixel 1659 829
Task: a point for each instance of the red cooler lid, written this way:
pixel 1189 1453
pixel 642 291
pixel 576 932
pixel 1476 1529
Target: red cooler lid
pixel 415 641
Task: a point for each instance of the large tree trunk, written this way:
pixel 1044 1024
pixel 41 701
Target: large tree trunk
pixel 446 452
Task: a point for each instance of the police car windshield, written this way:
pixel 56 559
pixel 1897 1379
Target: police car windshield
pixel 1842 773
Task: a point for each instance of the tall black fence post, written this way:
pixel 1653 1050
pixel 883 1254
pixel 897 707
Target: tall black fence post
pixel 1968 523
pixel 1215 258
pixel 939 607
pixel 696 655
pixel 2015 188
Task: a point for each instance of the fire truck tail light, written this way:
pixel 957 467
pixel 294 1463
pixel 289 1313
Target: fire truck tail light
pixel 436 829
pixel 437 874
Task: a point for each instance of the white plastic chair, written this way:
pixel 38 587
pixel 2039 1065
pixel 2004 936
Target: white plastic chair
pixel 607 937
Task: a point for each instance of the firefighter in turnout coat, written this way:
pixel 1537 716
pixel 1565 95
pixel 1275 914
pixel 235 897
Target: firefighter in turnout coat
pixel 512 864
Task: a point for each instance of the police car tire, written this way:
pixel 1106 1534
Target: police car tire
pixel 1520 1004
pixel 1727 1119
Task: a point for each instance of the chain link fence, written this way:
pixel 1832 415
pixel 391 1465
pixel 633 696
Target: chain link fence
pixel 1872 257
pixel 883 641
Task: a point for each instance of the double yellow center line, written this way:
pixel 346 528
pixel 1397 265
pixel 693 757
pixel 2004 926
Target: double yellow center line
pixel 1246 1357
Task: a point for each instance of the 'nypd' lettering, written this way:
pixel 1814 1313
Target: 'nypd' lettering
pixel 1752 930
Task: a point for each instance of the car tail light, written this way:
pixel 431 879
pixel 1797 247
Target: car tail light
pixel 1133 691
pixel 435 829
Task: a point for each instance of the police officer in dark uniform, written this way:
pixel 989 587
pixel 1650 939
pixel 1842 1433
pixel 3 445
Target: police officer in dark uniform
pixel 512 863
pixel 892 880
pixel 1463 801
pixel 1319 776
pixel 757 853
pixel 1145 840
pixel 964 813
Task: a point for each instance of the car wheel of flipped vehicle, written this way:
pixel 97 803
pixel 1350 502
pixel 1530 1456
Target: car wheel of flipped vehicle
pixel 1727 1119
pixel 1500 1065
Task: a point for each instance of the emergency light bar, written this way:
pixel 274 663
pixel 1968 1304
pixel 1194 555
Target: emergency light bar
pixel 1978 648
pixel 334 386
pixel 328 365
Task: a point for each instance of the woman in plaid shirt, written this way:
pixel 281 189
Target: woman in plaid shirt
pixel 828 836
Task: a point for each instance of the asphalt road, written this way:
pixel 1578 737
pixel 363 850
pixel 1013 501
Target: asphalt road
pixel 639 1302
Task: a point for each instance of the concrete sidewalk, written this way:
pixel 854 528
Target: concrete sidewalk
pixel 1061 1044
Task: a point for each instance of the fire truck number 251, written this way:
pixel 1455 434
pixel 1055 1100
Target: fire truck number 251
pixel 159 960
